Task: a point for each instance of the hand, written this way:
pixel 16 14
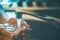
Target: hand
pixel 26 27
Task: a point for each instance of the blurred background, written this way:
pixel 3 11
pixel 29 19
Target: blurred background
pixel 43 16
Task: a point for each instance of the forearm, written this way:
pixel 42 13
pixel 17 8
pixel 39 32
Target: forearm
pixel 7 34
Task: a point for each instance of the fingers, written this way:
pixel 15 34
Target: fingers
pixel 24 28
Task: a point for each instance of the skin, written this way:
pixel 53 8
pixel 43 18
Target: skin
pixel 13 22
